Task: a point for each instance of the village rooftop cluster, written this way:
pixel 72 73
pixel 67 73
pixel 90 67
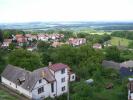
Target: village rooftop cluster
pixel 28 39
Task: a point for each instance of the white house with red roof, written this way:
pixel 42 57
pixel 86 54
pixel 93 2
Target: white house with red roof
pixel 97 46
pixel 76 41
pixel 44 82
pixel 43 37
pixel 21 39
pixel 6 42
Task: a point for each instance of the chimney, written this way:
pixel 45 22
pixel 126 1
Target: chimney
pixel 50 63
pixel 43 73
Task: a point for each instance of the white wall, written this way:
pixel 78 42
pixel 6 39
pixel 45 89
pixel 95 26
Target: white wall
pixel 47 90
pixel 58 77
pixel 7 82
pixel 16 87
pixel 43 39
pixel 130 94
pixel 71 77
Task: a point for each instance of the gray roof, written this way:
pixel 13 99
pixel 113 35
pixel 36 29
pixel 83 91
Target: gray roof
pixel 127 64
pixel 110 64
pixel 14 73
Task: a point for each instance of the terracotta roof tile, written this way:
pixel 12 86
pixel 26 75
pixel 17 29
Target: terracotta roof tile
pixel 57 67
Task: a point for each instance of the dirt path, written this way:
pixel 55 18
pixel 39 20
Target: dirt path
pixel 13 93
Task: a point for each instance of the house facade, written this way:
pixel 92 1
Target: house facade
pixel 45 82
pixel 130 89
pixel 21 39
pixel 46 37
pixel 97 46
pixel 6 42
pixel 125 68
pixel 76 41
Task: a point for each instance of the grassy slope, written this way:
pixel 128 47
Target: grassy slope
pixel 116 40
pixel 5 96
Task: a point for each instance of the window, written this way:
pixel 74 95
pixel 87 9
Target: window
pixel 40 90
pixel 73 77
pixel 40 81
pixel 62 71
pixel 63 80
pixel 63 88
pixel 52 87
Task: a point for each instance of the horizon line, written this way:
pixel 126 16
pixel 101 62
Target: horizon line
pixel 116 21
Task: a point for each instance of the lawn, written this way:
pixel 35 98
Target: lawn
pixel 6 96
pixel 119 41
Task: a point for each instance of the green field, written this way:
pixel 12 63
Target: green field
pixel 101 33
pixel 6 96
pixel 91 31
pixel 119 41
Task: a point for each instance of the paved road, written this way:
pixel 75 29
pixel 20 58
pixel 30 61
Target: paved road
pixel 13 93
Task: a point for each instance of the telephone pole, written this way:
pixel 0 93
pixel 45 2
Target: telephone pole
pixel 68 89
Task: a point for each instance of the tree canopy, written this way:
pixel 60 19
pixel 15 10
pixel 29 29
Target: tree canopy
pixel 1 36
pixel 25 59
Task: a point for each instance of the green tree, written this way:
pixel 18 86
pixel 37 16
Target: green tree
pixel 25 59
pixel 12 46
pixel 113 53
pixel 1 36
pixel 43 46
pixel 130 45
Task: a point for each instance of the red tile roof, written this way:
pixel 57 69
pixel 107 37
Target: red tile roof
pixel 19 36
pixel 58 66
pixel 21 40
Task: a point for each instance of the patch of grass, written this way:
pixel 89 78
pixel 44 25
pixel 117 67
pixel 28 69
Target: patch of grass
pixel 101 33
pixel 6 96
pixel 116 41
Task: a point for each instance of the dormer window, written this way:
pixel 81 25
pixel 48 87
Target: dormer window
pixel 62 71
pixel 40 81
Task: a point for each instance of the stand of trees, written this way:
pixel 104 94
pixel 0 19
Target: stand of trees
pixel 7 33
pixel 123 34
pixel 1 36
pixel 25 59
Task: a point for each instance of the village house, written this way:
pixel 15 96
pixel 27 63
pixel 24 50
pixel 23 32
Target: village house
pixel 56 36
pixel 46 37
pixel 44 82
pixel 130 89
pixel 125 68
pixel 57 44
pixel 43 37
pixel 21 39
pixel 31 48
pixel 6 42
pixel 76 41
pixel 31 37
pixel 97 46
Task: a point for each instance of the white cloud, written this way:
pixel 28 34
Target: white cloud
pixel 65 10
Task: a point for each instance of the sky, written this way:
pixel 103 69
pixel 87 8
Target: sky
pixel 65 10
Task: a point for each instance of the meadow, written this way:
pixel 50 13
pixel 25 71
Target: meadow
pixel 119 41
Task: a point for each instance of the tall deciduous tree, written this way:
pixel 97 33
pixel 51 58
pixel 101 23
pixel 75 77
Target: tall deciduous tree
pixel 25 59
pixel 112 53
pixel 1 36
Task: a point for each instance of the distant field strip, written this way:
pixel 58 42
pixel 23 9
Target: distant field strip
pixel 122 41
